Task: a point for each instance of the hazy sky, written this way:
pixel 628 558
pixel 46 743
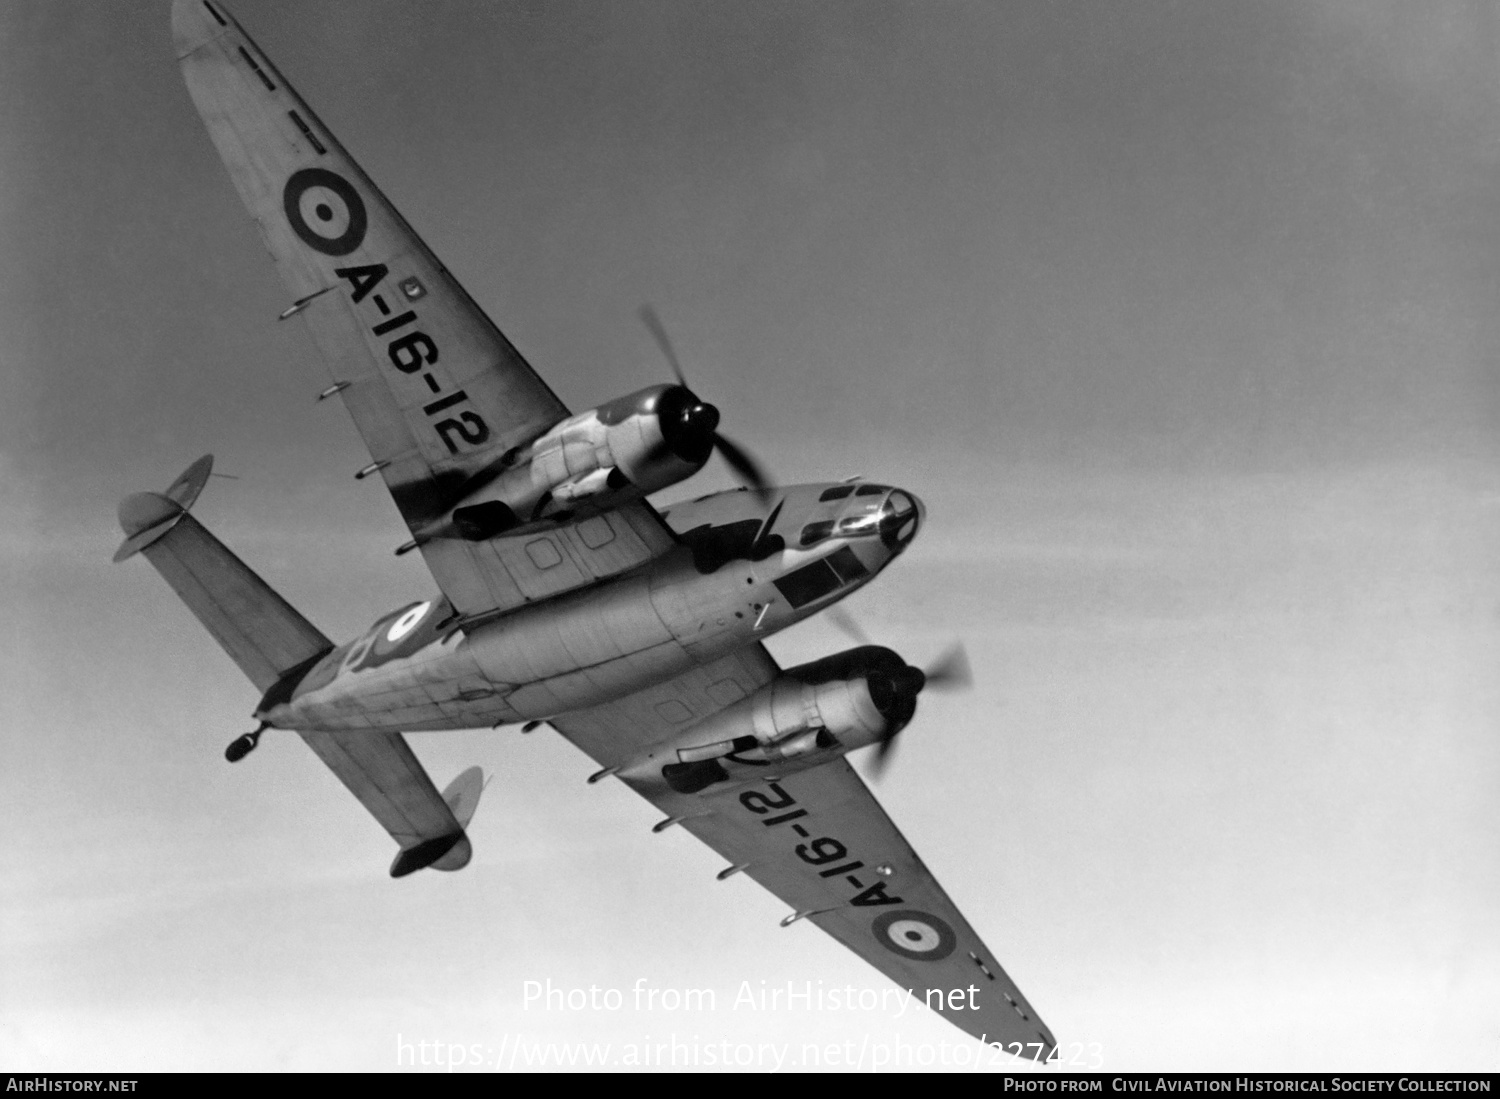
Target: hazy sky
pixel 1179 316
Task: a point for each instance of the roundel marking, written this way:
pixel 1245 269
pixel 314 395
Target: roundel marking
pixel 407 622
pixel 325 211
pixel 356 654
pixel 915 935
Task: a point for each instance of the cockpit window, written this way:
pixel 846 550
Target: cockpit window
pixel 838 492
pixel 816 532
pixel 871 490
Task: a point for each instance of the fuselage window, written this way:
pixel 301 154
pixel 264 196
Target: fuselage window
pixel 871 490
pixel 836 493
pixel 816 532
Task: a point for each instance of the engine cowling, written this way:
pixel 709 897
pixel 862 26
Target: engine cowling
pixel 807 716
pixel 599 459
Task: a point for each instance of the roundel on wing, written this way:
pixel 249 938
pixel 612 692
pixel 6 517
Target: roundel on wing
pixel 325 211
pixel 916 935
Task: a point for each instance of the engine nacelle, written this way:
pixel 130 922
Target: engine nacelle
pixel 596 460
pixel 807 716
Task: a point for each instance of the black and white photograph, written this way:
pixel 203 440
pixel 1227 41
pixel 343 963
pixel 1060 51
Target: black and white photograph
pixel 782 536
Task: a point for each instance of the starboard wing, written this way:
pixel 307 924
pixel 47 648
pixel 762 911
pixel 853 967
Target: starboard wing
pixel 820 841
pixel 437 392
pixel 620 730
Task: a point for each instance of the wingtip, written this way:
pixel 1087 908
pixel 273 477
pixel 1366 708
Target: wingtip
pixel 195 22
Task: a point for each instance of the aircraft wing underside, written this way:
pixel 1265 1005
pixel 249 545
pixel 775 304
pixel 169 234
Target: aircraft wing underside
pixel 820 841
pixel 437 392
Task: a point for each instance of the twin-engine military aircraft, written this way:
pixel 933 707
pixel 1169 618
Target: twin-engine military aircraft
pixel 566 597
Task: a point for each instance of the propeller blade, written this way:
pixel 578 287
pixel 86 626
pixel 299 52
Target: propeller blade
pixel 884 752
pixel 845 622
pixel 765 528
pixel 659 333
pixel 951 670
pixel 748 469
pixel 745 467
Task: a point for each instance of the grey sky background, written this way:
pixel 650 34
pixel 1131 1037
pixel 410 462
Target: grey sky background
pixel 1179 316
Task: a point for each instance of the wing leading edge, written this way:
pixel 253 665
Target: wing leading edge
pixel 439 395
pixel 820 841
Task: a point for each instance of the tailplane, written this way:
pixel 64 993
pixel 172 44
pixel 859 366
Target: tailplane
pixel 260 630
pixel 275 646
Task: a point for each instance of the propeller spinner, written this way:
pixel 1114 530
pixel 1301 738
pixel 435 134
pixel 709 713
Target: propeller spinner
pixel 696 423
pixel 948 672
pixel 895 693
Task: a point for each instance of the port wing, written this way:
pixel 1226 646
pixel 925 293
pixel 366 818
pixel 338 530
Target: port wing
pixel 438 393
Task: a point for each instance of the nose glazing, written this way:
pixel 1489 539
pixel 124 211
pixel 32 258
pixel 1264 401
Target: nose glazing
pixel 900 517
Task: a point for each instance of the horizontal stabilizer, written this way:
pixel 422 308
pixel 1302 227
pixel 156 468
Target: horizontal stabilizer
pixel 381 770
pixel 259 629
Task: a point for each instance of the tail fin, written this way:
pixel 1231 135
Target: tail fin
pixel 259 630
pixel 462 795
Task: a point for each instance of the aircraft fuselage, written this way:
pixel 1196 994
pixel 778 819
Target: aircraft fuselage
pixel 745 568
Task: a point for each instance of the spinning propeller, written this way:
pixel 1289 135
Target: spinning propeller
pixel 948 672
pixel 701 419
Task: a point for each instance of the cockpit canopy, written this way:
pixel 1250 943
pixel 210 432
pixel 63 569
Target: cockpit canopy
pixel 864 510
